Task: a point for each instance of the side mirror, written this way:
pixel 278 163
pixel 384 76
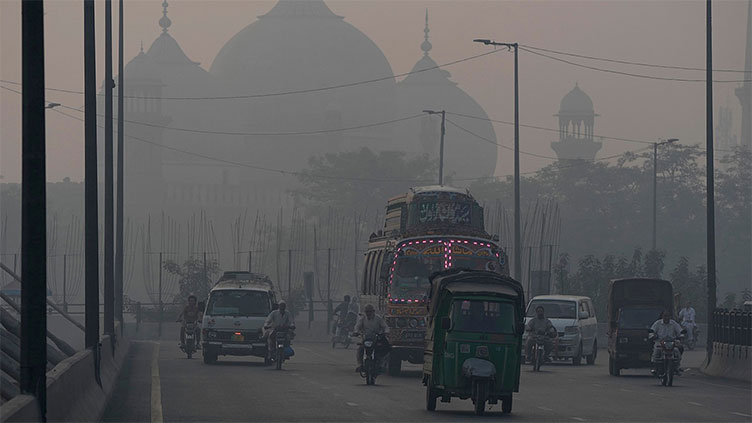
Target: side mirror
pixel 584 315
pixel 684 332
pixel 446 323
pixel 275 306
pixel 651 331
pixel 520 328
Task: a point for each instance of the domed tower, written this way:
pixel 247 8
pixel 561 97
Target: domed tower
pixel 745 91
pixel 576 120
pixel 301 45
pixel 429 87
pixel 164 70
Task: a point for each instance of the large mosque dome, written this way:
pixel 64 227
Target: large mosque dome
pixel 303 45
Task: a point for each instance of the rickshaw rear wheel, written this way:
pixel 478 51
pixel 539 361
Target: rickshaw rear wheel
pixel 506 404
pixel 430 397
pixel 480 398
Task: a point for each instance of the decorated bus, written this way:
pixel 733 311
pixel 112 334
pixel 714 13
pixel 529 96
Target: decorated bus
pixel 426 230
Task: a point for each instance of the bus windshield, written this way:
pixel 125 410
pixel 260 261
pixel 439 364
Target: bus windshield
pixel 411 274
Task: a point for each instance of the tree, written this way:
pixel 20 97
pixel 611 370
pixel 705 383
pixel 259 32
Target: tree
pixel 360 180
pixel 193 278
pixel 729 301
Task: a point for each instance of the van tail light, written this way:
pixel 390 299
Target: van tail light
pixel 238 333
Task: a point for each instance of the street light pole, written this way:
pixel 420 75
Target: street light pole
pixel 655 183
pixel 710 182
pixel 119 178
pixel 109 200
pixel 441 145
pixel 33 342
pixel 517 224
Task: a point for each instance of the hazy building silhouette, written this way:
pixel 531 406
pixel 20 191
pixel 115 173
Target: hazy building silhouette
pixel 576 120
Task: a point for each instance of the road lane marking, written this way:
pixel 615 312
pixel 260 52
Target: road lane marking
pixel 545 408
pixel 156 387
pixel 695 403
pixel 625 390
pixel 579 419
pixel 351 404
pixel 596 385
pixel 741 414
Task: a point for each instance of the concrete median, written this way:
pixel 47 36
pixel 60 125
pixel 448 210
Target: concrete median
pixel 730 361
pixel 73 392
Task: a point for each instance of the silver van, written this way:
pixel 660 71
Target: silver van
pixel 576 324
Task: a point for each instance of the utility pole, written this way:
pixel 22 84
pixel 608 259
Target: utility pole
pixel 119 246
pixel 33 348
pixel 90 183
pixel 441 144
pixel 517 235
pixel 109 242
pixel 65 280
pixel 655 184
pixel 289 275
pixel 250 260
pixel 206 271
pixel 161 307
pixel 710 201
pixel 328 289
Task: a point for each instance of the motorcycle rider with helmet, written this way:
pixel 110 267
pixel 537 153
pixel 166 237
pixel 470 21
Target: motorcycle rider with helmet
pixel 536 325
pixel 368 326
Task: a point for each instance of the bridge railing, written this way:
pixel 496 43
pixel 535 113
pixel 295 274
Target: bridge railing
pixel 732 327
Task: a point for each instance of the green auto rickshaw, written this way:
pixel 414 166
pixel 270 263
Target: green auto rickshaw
pixel 474 338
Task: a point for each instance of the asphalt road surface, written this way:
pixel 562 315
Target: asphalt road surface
pixel 158 383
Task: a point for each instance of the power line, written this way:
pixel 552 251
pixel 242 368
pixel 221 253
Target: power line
pixel 291 92
pixel 625 62
pixel 634 75
pixel 497 144
pixel 262 168
pixel 231 133
pixel 542 128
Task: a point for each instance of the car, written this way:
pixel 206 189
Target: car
pixel 235 313
pixel 575 322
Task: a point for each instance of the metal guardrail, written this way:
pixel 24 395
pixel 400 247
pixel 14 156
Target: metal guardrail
pixel 732 327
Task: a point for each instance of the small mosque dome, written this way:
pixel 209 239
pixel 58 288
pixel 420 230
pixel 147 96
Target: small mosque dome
pixel 576 102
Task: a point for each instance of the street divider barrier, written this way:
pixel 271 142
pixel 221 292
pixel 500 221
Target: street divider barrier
pixel 73 392
pixel 732 345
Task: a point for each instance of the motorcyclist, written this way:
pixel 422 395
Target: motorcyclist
pixel 340 312
pixel 537 324
pixel 355 306
pixel 664 328
pixel 191 313
pixel 278 319
pixel 368 326
pixel 687 319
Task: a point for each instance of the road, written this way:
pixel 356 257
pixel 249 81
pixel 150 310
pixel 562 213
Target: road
pixel 319 384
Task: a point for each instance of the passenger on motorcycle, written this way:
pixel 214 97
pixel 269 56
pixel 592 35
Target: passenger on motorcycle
pixel 537 324
pixel 368 326
pixel 665 328
pixel 191 313
pixel 278 319
pixel 687 318
pixel 340 312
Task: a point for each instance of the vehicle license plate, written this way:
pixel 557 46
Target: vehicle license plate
pixel 238 338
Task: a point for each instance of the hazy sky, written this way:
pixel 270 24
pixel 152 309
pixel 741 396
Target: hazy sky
pixel 663 32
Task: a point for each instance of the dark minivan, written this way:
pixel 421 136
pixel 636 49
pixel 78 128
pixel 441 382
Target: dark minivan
pixel 634 304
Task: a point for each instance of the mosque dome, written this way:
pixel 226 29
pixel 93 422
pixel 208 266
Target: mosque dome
pixel 576 102
pixel 303 45
pixel 430 87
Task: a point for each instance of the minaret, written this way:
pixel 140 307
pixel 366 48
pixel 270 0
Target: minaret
pixel 745 91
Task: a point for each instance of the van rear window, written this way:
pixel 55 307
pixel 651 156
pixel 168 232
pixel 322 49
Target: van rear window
pixel 238 302
pixel 553 309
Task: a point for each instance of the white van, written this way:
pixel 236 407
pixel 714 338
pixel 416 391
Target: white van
pixel 576 324
pixel 234 317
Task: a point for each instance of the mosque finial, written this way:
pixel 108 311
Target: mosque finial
pixel 165 22
pixel 426 45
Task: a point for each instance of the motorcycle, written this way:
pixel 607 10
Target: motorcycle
pixel 374 351
pixel 283 351
pixel 539 350
pixel 189 347
pixel 695 333
pixel 342 330
pixel 669 358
